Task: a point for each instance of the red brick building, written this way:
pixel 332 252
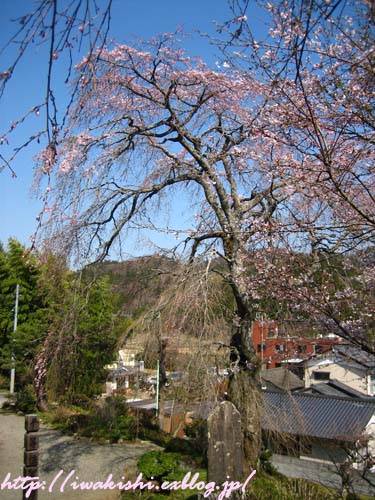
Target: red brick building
pixel 279 345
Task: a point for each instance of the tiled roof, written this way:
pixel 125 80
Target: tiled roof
pixel 316 416
pixel 326 390
pixel 282 378
pixel 346 389
pixel 336 388
pixel 355 353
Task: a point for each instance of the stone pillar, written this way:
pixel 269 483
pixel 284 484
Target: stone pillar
pixel 31 453
pixel 225 452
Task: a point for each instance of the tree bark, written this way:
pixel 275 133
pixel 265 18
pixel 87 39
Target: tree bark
pixel 244 389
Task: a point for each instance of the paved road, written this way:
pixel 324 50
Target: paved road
pixel 91 462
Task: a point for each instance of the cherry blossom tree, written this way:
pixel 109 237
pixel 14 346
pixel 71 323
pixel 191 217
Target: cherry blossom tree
pixel 150 125
pixel 274 150
pixel 317 66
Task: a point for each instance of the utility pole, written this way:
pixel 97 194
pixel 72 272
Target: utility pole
pixel 13 366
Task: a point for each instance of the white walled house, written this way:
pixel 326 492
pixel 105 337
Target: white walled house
pixel 347 364
pixel 122 371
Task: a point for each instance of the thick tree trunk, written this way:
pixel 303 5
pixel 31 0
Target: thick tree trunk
pixel 244 393
pixel 244 389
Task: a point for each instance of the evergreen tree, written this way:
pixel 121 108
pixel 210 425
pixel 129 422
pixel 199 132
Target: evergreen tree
pixel 5 317
pixel 17 267
pixel 81 335
pixel 67 328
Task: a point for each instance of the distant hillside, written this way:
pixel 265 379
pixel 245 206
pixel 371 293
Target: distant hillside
pixel 138 282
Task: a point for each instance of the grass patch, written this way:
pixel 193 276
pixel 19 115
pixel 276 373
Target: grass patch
pixel 161 467
pixel 104 420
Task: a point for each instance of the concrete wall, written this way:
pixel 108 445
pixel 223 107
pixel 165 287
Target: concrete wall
pixel 320 472
pixel 327 453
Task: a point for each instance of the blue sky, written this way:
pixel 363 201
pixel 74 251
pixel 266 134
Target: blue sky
pixel 142 18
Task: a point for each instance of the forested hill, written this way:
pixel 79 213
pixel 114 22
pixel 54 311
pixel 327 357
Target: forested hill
pixel 138 282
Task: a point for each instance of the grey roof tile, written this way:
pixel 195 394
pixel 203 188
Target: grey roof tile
pixel 355 353
pixel 316 416
pixel 282 378
pixel 326 390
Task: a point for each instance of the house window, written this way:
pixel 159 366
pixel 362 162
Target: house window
pixel 301 349
pixel 279 347
pixel 321 375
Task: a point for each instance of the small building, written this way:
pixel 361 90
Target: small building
pixel 126 371
pixel 348 364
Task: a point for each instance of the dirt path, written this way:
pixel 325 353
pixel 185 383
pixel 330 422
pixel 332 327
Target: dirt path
pixel 89 461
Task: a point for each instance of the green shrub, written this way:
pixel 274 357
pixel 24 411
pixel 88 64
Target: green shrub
pixel 81 400
pixel 265 487
pixel 25 400
pixel 198 434
pixel 152 432
pixel 178 445
pixel 161 466
pixel 265 463
pixel 104 420
pixel 186 447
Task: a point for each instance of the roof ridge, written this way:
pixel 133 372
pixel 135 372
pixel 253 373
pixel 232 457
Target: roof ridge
pixel 365 399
